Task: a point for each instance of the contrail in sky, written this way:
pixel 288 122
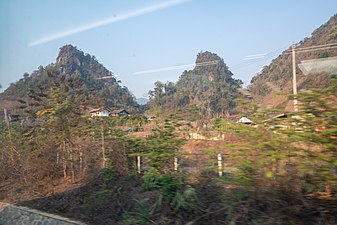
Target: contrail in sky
pixel 169 68
pixel 256 56
pixel 114 19
pixel 163 69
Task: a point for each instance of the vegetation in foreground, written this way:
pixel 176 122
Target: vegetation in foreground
pixel 280 172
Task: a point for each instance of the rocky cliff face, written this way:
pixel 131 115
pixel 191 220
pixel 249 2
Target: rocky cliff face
pixel 70 60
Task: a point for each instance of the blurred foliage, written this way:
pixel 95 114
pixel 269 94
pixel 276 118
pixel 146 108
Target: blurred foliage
pixel 296 151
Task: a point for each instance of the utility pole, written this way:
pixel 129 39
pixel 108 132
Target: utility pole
pixel 294 78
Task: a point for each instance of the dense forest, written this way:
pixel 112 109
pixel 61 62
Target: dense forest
pixel 210 87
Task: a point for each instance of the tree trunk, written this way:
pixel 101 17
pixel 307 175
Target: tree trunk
pixel 64 159
pixel 9 137
pixel 103 147
pixel 328 187
pixel 81 162
pixel 72 166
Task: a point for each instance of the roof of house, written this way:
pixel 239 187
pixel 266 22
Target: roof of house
pixel 245 120
pixel 116 111
pixel 100 109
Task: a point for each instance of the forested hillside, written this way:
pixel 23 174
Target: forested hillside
pixel 209 86
pixel 92 80
pixel 271 87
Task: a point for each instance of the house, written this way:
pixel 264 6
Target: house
pixel 102 111
pixel 119 113
pixel 245 120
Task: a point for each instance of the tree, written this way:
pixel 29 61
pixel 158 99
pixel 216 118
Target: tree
pixel 61 113
pixel 163 145
pixel 25 76
pixel 317 126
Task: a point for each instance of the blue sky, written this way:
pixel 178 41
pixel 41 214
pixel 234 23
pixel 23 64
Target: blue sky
pixel 134 37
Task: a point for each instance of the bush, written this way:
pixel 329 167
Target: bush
pixel 172 188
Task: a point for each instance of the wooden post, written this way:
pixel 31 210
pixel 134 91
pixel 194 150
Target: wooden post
pixel 57 157
pixel 220 165
pixel 81 161
pixel 138 164
pixel 175 163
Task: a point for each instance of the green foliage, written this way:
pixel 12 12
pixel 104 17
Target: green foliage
pixel 247 170
pixel 219 124
pixel 234 196
pixel 109 175
pixel 172 188
pixel 163 145
pixel 229 179
pixel 150 180
pixel 103 193
pixel 183 199
pixel 140 216
pixel 245 107
pixel 297 151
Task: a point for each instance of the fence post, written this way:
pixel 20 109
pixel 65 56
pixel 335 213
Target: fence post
pixel 175 163
pixel 138 164
pixel 220 165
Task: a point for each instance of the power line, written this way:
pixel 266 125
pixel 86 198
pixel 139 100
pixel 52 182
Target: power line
pixel 315 49
pixel 317 46
pixel 267 56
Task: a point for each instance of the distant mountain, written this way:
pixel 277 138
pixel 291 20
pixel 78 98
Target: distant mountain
pixel 209 86
pixel 271 87
pixel 97 83
pixel 142 101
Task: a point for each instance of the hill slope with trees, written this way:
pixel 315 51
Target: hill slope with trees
pixel 95 83
pixel 209 87
pixel 271 87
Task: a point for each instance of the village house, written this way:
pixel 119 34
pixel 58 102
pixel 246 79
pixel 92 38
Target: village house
pixel 102 111
pixel 245 120
pixel 119 113
pixel 106 111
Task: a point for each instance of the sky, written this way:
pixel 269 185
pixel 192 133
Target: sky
pixel 142 41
